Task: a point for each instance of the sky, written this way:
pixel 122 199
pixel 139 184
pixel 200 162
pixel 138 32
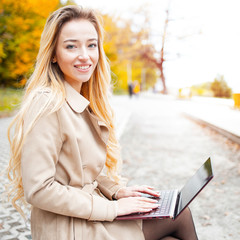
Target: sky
pixel 203 37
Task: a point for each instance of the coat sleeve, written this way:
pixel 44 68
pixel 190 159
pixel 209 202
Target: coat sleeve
pixel 38 162
pixel 108 186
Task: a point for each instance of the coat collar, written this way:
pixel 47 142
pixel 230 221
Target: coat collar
pixel 78 104
pixel 75 100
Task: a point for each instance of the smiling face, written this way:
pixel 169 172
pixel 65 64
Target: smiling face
pixel 77 51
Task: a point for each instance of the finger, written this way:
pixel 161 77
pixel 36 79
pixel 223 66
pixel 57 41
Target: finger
pixel 147 200
pixel 141 188
pixel 152 193
pixel 143 210
pixel 136 194
pixel 148 205
pixel 146 190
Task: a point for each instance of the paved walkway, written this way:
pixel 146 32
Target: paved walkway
pixel 12 226
pixel 218 114
pixel 162 148
pixel 129 120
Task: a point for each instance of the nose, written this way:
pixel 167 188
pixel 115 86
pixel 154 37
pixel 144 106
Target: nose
pixel 83 54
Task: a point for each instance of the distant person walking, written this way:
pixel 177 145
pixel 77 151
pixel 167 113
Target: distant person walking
pixel 136 88
pixel 130 89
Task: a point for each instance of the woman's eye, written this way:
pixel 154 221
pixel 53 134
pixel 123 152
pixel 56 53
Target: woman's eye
pixel 70 46
pixel 93 45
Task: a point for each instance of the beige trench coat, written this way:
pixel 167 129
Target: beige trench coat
pixel 62 163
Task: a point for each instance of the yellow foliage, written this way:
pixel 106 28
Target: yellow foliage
pixel 23 22
pixel 2 55
pixel 43 7
pixel 39 7
pixel 123 46
pixel 236 98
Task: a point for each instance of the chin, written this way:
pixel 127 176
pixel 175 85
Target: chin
pixel 84 80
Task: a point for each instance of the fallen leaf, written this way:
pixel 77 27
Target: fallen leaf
pixel 206 217
pixel 206 224
pixel 219 190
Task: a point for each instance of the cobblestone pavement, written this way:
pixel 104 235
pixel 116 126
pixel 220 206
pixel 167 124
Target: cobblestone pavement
pixel 161 148
pixel 12 225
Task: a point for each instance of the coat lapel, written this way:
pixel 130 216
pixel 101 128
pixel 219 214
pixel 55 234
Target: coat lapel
pixel 78 104
pixel 75 100
pixel 99 126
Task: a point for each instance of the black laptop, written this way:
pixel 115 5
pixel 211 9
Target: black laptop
pixel 173 202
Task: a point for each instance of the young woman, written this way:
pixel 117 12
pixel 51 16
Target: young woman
pixel 64 140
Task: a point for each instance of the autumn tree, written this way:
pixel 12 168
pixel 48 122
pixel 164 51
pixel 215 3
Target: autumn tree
pixel 123 43
pixel 220 88
pixel 158 58
pixel 21 25
pixel 20 29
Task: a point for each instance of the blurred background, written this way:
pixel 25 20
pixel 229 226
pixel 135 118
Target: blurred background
pixel 176 84
pixel 186 47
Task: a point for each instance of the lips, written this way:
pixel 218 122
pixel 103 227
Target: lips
pixel 83 67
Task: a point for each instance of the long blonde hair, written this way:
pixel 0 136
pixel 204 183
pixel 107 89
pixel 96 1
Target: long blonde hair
pixel 48 75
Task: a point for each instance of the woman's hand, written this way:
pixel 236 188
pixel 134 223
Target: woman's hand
pixel 135 204
pixel 136 191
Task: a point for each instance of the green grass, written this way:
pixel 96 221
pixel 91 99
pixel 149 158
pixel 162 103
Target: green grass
pixel 120 92
pixel 10 99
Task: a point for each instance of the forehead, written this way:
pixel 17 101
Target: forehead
pixel 78 29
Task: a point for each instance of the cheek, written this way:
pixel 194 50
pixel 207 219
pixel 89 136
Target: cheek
pixel 65 57
pixel 62 63
pixel 96 58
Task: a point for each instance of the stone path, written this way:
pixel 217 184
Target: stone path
pixel 12 225
pixel 161 147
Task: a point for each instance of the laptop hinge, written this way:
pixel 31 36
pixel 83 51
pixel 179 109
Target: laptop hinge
pixel 177 206
pixel 173 203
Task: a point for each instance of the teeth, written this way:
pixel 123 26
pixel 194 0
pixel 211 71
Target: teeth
pixel 83 67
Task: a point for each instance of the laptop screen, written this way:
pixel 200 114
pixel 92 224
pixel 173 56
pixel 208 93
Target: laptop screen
pixel 194 186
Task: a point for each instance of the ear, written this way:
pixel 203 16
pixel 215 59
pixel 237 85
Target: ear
pixel 54 59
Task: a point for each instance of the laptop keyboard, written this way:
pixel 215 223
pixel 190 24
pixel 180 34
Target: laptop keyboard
pixel 164 203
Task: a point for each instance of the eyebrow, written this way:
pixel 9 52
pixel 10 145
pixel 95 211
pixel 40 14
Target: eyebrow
pixel 75 40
